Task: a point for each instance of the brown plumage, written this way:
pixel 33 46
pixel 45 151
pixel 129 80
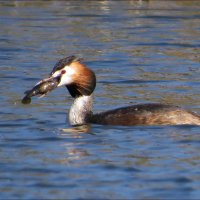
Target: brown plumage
pixel 84 80
pixel 81 81
pixel 147 114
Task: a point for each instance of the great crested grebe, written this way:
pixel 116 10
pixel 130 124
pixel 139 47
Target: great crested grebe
pixel 81 81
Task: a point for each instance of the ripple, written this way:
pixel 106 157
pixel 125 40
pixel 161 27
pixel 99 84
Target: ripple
pixel 141 51
pixel 185 45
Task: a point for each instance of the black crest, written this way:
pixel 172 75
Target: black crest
pixel 63 62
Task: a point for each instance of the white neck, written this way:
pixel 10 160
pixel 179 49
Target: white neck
pixel 80 110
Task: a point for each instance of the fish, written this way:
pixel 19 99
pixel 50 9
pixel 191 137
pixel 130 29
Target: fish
pixel 42 88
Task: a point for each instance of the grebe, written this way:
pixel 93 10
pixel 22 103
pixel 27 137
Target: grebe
pixel 81 81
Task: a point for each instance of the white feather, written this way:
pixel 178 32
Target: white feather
pixel 80 109
pixel 67 77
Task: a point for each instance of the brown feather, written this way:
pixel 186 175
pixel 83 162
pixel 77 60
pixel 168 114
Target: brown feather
pixel 84 80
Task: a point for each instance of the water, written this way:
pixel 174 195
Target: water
pixel 141 51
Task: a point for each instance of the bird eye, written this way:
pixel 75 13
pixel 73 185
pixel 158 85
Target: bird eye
pixel 63 71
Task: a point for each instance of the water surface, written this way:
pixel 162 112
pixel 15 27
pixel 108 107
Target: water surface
pixel 141 51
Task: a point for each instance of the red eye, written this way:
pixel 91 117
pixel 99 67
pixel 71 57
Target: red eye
pixel 63 71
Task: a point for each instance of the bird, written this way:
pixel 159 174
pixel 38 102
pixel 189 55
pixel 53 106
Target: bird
pixel 80 81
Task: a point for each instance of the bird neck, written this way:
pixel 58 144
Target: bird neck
pixel 81 110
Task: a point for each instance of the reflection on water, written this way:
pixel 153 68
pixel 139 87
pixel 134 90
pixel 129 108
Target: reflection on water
pixel 141 51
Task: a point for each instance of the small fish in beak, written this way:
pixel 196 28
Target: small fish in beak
pixel 42 88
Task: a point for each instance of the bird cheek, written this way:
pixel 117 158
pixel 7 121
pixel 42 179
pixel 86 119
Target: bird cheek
pixel 65 80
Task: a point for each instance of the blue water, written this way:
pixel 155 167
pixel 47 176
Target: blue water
pixel 141 51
